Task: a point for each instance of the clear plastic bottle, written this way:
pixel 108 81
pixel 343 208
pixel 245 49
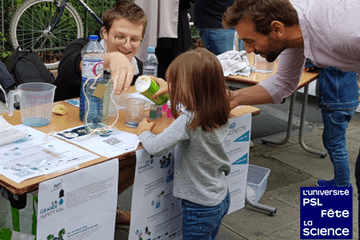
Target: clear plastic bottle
pixel 150 66
pixel 92 67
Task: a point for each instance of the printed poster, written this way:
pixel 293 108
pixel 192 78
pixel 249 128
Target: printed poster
pixel 237 147
pixel 79 205
pixel 155 212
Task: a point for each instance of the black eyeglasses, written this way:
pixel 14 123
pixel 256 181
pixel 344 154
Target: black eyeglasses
pixel 121 40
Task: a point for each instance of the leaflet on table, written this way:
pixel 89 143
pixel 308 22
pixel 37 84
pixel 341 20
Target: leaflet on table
pixel 109 144
pixel 8 133
pixel 38 154
pixel 155 212
pixel 237 147
pixel 75 102
pixel 79 205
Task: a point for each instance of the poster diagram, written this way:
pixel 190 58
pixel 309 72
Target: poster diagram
pixel 156 213
pixel 79 205
pixel 237 147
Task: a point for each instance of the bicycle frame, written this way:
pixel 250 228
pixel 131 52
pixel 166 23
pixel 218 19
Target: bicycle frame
pixel 61 6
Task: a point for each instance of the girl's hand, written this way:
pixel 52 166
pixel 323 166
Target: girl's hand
pixel 162 84
pixel 145 125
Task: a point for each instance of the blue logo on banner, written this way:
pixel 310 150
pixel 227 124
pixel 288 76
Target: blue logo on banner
pixel 243 138
pixel 242 160
pixel 232 125
pixel 326 213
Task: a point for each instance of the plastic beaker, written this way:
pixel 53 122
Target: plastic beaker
pixel 134 112
pixel 36 102
pixel 261 65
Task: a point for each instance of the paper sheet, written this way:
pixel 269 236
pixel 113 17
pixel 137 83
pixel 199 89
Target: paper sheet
pixel 38 154
pixel 108 144
pixel 8 133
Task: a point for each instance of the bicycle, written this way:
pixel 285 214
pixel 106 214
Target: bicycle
pixel 46 27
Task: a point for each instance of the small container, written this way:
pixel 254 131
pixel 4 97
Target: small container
pixel 168 111
pixel 147 87
pixel 262 65
pixel 159 111
pixel 164 107
pixel 153 111
pixel 134 112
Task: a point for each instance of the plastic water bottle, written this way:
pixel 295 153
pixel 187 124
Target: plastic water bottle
pixel 92 67
pixel 150 66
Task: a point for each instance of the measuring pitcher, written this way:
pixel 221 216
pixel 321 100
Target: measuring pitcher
pixel 36 102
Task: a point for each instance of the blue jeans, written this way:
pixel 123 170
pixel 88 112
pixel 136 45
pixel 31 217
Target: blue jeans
pixel 334 139
pixel 219 40
pixel 202 222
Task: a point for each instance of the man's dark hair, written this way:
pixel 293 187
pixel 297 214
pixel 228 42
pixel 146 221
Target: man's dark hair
pixel 261 12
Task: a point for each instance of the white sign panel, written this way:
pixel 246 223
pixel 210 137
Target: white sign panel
pixel 79 205
pixel 155 212
pixel 237 147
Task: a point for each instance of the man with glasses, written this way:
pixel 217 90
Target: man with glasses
pixel 123 31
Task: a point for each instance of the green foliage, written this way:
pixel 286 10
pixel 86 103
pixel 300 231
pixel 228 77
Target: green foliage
pixel 194 31
pixel 7 12
pixel 4 53
pixel 91 26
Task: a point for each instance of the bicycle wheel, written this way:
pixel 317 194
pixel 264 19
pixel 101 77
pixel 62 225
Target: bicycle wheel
pixel 30 29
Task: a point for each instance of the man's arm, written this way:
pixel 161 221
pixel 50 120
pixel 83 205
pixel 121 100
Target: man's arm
pixel 286 79
pixel 253 95
pixel 277 87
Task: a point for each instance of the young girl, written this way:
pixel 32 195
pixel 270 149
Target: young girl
pixel 196 81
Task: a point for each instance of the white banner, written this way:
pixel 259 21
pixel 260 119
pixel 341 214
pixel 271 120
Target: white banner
pixel 237 147
pixel 79 205
pixel 155 212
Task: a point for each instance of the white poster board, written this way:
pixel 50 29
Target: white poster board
pixel 79 205
pixel 155 212
pixel 237 147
